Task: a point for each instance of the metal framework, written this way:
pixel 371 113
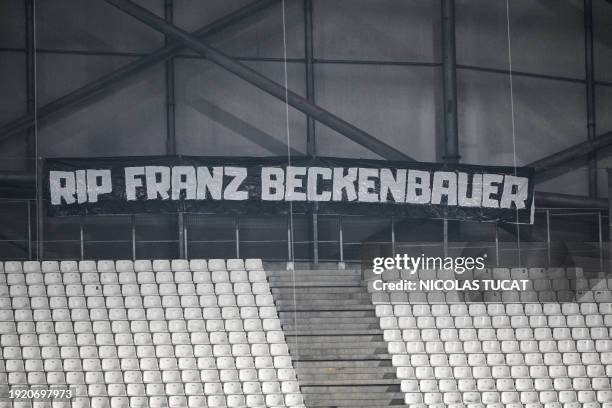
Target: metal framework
pixel 449 75
pixel 79 98
pixel 589 67
pixel 177 40
pixel 30 78
pixel 260 81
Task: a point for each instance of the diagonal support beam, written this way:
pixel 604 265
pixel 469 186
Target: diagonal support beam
pixel 79 97
pixel 239 126
pixel 565 160
pixel 559 200
pixel 262 82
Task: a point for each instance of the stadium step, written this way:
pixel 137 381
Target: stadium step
pixel 288 294
pixel 305 307
pixel 334 338
pixel 330 291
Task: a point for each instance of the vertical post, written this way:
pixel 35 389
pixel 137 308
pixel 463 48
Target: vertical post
pixel 449 79
pixel 518 244
pixel 590 93
pixel 181 235
pixel 311 144
pixel 315 235
pixel 497 263
pixel 600 231
pixel 548 237
pixel 289 241
pixel 171 118
pixel 610 212
pixel 445 232
pixel 185 239
pixel 29 218
pixel 30 61
pixel 449 87
pixel 341 238
pixel 237 235
pixel 393 236
pixel 81 238
pixel 133 220
pixel 170 100
pixel 40 212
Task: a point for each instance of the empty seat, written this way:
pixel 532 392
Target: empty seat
pixel 216 265
pixel 253 264
pixel 235 264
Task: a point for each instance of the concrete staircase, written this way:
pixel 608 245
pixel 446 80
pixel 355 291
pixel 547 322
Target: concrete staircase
pixel 334 337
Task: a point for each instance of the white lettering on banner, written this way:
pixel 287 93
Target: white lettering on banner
pixel 490 185
pixel 98 182
pixel 184 179
pixel 418 190
pixel 272 184
pixel 213 183
pixel 81 186
pixel 367 185
pixel 158 188
pixel 62 187
pixel 86 184
pixel 475 197
pixel 296 183
pixel 394 185
pixel 132 182
pixel 515 191
pixel 342 182
pixel 313 181
pixel 444 184
pixel 238 175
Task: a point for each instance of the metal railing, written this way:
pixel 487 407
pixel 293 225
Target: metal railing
pixel 316 238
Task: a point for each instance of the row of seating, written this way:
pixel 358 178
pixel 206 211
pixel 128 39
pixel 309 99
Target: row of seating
pixel 573 376
pixel 141 265
pixel 566 340
pixel 527 323
pixel 142 333
pixel 447 350
pixel 546 399
pixel 494 309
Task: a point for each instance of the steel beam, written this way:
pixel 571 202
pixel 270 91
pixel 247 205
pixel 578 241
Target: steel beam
pixel 609 213
pixel 170 100
pixel 30 47
pixel 237 125
pixel 311 142
pixel 590 93
pixel 40 211
pixel 262 82
pixel 449 75
pixel 78 98
pixel 568 201
pixel 17 179
pixel 564 160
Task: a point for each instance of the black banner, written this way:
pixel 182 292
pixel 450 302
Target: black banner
pixel 128 185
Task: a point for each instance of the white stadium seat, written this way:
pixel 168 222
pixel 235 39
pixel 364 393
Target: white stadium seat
pixel 507 346
pixel 124 329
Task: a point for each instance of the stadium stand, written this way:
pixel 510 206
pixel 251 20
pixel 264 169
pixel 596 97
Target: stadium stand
pixel 548 346
pixel 144 334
